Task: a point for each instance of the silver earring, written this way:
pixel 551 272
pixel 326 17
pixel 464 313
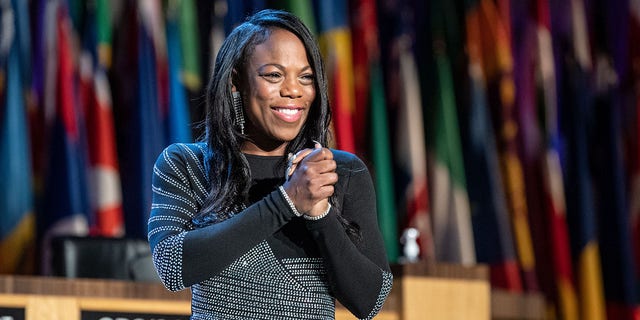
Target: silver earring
pixel 237 109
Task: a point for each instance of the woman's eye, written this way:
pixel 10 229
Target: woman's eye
pixel 307 78
pixel 272 76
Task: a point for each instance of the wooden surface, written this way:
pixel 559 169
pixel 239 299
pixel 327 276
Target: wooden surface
pixel 442 291
pixel 509 305
pixel 420 291
pixel 88 287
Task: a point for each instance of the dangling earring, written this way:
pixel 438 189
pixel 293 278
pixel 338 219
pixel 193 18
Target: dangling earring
pixel 237 109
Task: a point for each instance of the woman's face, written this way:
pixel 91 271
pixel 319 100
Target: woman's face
pixel 277 88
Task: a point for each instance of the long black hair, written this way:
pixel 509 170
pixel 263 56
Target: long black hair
pixel 227 167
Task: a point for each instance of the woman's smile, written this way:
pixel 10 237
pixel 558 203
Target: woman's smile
pixel 288 113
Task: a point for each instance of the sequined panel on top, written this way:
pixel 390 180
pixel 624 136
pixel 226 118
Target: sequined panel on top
pixel 257 286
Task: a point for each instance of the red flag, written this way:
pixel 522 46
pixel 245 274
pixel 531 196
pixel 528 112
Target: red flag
pixel 364 28
pixel 104 176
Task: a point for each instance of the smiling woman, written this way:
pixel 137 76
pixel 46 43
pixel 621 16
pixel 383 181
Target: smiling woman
pixel 251 241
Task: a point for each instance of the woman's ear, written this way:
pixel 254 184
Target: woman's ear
pixel 235 80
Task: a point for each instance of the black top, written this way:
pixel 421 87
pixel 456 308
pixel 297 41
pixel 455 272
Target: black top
pixel 265 262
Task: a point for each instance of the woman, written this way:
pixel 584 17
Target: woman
pixel 251 241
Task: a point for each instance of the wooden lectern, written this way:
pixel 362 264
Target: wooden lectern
pixel 420 291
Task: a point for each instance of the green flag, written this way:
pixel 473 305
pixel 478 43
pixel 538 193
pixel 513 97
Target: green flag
pixel 188 24
pixel 381 156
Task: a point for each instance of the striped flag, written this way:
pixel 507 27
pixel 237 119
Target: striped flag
pixel 492 234
pixel 453 234
pixel 335 45
pixel 17 221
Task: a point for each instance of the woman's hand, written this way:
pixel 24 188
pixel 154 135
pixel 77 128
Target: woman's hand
pixel 311 177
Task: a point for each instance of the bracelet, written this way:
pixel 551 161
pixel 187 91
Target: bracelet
pixel 291 205
pixel 318 217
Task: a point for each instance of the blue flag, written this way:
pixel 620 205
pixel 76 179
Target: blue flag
pixel 17 224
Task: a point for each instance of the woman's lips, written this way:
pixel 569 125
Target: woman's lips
pixel 288 114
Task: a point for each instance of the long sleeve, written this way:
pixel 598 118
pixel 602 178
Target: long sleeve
pixel 184 255
pixel 358 273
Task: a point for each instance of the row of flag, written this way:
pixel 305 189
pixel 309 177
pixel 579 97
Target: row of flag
pixel 506 132
pixel 92 91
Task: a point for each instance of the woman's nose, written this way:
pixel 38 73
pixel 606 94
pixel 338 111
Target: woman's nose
pixel 291 88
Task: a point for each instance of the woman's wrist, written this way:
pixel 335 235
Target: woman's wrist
pixel 320 216
pixel 292 206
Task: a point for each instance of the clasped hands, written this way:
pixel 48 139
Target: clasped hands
pixel 310 179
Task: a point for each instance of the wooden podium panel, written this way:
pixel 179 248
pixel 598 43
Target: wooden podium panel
pixel 47 298
pixel 41 307
pixel 40 298
pixel 420 291
pixel 442 291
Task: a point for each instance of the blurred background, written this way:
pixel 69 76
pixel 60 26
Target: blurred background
pixel 507 133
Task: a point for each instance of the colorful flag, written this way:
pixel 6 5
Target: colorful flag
pixel 556 247
pixel 106 192
pixel 65 199
pixel 95 96
pixel 142 107
pixel 383 172
pixel 370 94
pixel 104 31
pixel 411 155
pixel 17 221
pixel 498 65
pixel 404 105
pixel 148 136
pixel 492 233
pixel 335 45
pixel 364 39
pixel 452 231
